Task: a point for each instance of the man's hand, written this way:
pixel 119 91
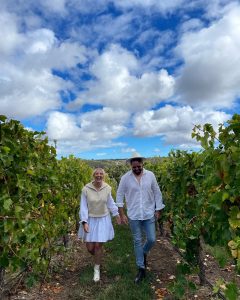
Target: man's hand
pixel 118 220
pixel 124 219
pixel 158 214
pixel 86 227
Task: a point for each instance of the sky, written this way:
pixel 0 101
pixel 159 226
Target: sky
pixel 106 78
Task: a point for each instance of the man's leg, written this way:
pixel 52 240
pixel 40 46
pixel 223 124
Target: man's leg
pixel 150 231
pixel 136 228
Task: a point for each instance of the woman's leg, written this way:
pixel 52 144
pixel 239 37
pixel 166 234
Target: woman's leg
pixel 98 253
pixel 95 249
pixel 90 247
pixel 97 259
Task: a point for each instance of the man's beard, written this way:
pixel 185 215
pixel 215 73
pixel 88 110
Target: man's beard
pixel 137 172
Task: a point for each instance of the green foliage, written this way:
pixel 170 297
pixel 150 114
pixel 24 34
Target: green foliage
pixel 220 253
pixel 181 285
pixel 73 175
pixel 38 198
pixel 202 192
pixel 230 290
pixel 116 170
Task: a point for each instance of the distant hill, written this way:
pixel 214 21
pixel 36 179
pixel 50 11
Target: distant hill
pixel 107 163
pixel 104 163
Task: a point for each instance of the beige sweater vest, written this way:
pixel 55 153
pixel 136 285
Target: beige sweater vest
pixel 97 199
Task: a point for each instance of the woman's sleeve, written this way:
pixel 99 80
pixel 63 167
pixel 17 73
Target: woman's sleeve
pixel 112 205
pixel 83 213
pixel 121 193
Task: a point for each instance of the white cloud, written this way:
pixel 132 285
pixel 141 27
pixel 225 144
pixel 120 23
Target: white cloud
pixel 175 124
pixel 27 85
pixel 157 44
pixel 25 93
pixel 120 84
pixel 216 8
pixel 191 25
pixel 163 6
pixel 39 41
pixel 190 146
pixel 104 124
pixel 105 28
pixel 90 130
pixel 211 72
pixel 76 147
pixel 43 6
pixel 43 49
pixel 128 150
pixel 10 37
pixel 39 36
pixel 61 126
pixel 63 8
pixel 57 6
pixel 101 154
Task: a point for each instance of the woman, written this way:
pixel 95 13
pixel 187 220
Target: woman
pixel 96 225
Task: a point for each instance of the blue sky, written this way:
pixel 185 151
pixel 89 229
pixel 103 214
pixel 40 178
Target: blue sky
pixel 107 78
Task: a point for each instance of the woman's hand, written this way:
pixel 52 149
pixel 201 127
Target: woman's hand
pixel 86 227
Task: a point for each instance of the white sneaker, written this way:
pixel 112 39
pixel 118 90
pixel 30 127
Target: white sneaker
pixel 96 276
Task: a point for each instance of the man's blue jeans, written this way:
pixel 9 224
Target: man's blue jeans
pixel 137 228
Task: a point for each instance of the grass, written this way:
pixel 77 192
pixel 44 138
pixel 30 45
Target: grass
pixel 220 254
pixel 119 270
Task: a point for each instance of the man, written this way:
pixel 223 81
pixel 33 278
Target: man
pixel 144 203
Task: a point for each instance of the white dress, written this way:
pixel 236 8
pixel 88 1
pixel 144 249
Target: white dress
pixel 100 228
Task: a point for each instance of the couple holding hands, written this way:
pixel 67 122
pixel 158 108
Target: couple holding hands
pixel 143 198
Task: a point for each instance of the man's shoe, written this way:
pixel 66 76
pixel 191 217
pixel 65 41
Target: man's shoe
pixel 145 260
pixel 140 275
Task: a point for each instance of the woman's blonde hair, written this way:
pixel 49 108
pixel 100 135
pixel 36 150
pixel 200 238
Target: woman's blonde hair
pixel 98 169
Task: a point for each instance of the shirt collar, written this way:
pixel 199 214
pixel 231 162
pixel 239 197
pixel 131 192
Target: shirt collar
pixel 91 186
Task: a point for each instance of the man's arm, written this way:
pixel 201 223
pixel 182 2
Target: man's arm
pixel 158 198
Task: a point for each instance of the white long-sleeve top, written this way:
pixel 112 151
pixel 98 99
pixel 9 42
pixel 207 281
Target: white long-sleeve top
pixel 83 213
pixel 142 197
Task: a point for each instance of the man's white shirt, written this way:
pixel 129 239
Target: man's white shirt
pixel 142 197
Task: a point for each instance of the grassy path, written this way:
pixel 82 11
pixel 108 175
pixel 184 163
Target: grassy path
pixel 71 277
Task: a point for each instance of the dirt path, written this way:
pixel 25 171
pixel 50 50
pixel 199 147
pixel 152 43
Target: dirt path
pixel 162 261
